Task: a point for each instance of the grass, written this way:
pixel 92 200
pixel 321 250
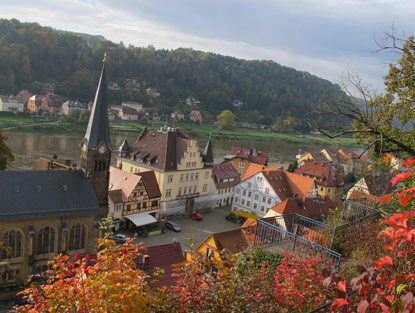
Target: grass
pixel 194 130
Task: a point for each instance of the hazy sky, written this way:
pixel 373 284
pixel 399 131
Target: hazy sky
pixel 324 37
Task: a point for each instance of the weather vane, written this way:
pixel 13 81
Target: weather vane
pixel 105 57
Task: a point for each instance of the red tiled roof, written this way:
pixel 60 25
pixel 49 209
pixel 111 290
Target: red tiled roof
pixel 332 175
pixel 234 241
pixel 161 150
pixel 314 208
pixel 251 154
pixel 115 196
pixel 379 185
pixel 163 257
pixel 151 184
pixel 356 195
pixel 222 172
pixel 123 181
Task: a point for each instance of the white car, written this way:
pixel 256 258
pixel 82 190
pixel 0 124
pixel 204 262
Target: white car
pixel 119 238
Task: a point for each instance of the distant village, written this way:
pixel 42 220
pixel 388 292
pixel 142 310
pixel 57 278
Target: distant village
pixel 59 207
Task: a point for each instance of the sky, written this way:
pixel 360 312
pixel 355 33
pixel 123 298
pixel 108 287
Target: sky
pixel 328 38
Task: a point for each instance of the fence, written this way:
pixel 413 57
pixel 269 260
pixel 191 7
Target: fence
pixel 276 239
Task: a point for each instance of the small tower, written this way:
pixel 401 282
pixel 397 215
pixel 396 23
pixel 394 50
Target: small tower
pixel 96 146
pixel 124 148
pixel 207 156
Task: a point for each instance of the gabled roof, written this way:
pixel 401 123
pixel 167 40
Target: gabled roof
pixel 331 175
pixel 150 183
pixel 379 185
pixel 336 156
pixel 284 183
pixel 233 241
pixel 251 154
pixel 315 208
pixel 224 171
pixel 116 196
pixel 97 131
pixel 124 181
pixel 160 149
pixel 317 156
pixel 45 194
pixel 163 257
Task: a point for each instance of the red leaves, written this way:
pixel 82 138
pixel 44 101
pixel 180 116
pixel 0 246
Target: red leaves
pixel 339 303
pixel 385 198
pixel 385 260
pixel 78 256
pixel 341 285
pixel 408 163
pixel 399 177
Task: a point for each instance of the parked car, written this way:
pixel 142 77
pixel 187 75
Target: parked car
pixel 119 238
pixel 197 216
pixel 173 226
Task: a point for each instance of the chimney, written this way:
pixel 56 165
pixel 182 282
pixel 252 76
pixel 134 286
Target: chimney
pixel 146 262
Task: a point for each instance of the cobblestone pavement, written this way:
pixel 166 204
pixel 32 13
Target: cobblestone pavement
pixel 213 221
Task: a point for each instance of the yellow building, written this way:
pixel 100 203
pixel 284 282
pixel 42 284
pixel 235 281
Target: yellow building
pixel 182 172
pixel 231 242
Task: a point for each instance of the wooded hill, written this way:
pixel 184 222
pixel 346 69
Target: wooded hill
pixel 30 53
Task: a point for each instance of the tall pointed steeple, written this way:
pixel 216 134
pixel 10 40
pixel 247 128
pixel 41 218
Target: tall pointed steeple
pixel 207 156
pixel 96 146
pixel 97 131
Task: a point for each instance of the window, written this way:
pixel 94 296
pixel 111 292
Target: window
pixel 9 275
pixel 180 191
pixel 204 188
pixel 328 190
pixel 197 176
pixel 170 178
pixel 262 208
pixel 187 177
pixel 194 189
pixel 269 201
pixel 237 190
pixel 117 207
pixel 193 164
pixel 187 164
pixel 168 193
pixel 249 185
pixel 256 196
pixel 248 203
pixel 249 194
pixel 264 199
pixel 241 164
pixel 236 199
pixel 46 240
pixel 267 191
pixel 259 178
pixel 185 190
pixel 191 176
pixel 13 240
pixel 77 236
pixel 321 189
pixel 243 202
pixel 206 175
pixel 267 210
pixel 255 206
pixel 244 192
pixel 128 208
pixel 181 177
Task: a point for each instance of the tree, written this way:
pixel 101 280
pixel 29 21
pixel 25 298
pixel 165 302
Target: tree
pixel 6 155
pixel 382 121
pixel 226 120
pixel 109 283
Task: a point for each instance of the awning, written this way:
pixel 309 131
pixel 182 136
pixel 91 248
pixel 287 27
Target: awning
pixel 141 219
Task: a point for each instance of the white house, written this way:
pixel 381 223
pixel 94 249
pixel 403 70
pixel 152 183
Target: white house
pixel 263 187
pixel 134 105
pixel 224 179
pixel 11 104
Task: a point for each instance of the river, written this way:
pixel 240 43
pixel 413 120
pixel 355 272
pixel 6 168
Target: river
pixel 29 147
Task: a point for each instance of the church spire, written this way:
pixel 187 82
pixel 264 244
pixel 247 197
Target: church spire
pixel 207 155
pixel 97 131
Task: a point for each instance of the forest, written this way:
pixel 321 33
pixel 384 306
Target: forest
pixel 31 54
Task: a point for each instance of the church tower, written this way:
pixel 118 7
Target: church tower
pixel 96 146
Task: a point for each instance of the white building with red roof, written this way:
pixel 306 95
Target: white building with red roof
pixel 224 179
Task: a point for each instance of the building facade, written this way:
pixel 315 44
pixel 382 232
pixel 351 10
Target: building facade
pixel 182 172
pixel 241 158
pixel 263 187
pixel 224 179
pixel 44 213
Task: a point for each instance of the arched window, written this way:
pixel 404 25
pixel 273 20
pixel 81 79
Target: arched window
pixel 46 240
pixel 13 240
pixel 77 237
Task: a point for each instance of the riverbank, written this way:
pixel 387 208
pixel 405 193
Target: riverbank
pixel 41 125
